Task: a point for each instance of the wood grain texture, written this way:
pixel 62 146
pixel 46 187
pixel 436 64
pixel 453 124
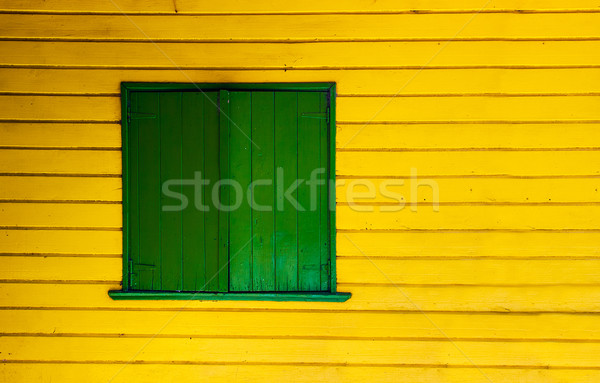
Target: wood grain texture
pixel 469 244
pixel 372 81
pixel 363 270
pixel 466 191
pixel 490 299
pixel 467 163
pixel 35 188
pixel 94 373
pixel 314 325
pixel 75 135
pixel 301 28
pixel 476 136
pixel 309 55
pixel 82 162
pixel 301 351
pixel 183 6
pixel 56 241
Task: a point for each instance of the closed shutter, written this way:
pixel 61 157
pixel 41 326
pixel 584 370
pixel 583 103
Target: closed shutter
pixel 173 135
pixel 274 140
pixel 289 247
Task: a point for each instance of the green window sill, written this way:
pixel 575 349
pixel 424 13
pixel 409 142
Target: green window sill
pixel 278 297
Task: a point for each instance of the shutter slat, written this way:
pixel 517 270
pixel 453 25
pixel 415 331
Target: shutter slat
pixel 263 260
pixel 170 172
pixel 193 164
pixel 211 158
pixel 148 199
pixel 223 278
pixel 240 219
pixel 286 163
pixel 323 205
pixel 309 163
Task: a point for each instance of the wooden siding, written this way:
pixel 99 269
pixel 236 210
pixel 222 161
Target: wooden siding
pixel 502 284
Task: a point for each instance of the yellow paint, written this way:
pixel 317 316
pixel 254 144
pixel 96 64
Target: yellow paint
pixel 95 373
pixel 373 81
pixel 502 284
pixel 303 56
pixel 351 270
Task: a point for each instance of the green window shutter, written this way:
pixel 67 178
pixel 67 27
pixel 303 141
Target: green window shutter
pixel 279 137
pixel 173 135
pixel 274 144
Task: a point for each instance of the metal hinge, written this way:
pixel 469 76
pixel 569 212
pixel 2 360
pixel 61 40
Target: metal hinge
pixel 318 115
pixel 135 268
pixel 138 116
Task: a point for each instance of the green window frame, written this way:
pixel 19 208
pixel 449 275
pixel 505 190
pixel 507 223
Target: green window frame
pixel 249 147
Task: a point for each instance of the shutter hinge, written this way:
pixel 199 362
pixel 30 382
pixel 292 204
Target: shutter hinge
pixel 318 115
pixel 142 266
pixel 137 116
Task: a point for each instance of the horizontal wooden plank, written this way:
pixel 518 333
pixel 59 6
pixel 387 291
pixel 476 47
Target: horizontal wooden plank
pixel 405 244
pixel 467 109
pixel 15 268
pixel 302 351
pixel 60 161
pixel 60 135
pixel 519 217
pixel 465 190
pixel 61 215
pixel 327 55
pixel 73 242
pixel 60 108
pixel 104 189
pixel 300 27
pixel 303 324
pixel 407 81
pixel 349 109
pixel 468 217
pixel 470 190
pixel 469 244
pixel 362 164
pixel 373 136
pixel 466 272
pixel 431 298
pixel 467 163
pixel 349 270
pixel 183 6
pixel 94 373
pixel 348 217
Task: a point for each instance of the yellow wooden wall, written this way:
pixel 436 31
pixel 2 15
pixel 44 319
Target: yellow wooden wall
pixel 501 285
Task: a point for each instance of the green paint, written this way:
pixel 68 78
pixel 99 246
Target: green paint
pixel 193 227
pixel 281 254
pixel 286 220
pixel 263 257
pixel 170 169
pixel 240 220
pixel 212 174
pixel 279 297
pixel 310 228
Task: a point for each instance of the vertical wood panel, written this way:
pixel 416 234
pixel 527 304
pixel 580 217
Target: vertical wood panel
pixel 170 171
pixel 263 262
pixel 211 158
pixel 286 165
pixel 224 191
pixel 309 136
pixel 149 193
pixel 322 196
pixel 240 220
pixel 193 165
